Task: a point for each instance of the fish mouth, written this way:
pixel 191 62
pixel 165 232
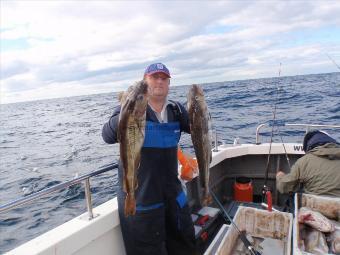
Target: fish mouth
pixel 140 109
pixel 144 87
pixel 195 93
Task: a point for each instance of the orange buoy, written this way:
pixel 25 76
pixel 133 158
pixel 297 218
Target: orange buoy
pixel 243 189
pixel 189 165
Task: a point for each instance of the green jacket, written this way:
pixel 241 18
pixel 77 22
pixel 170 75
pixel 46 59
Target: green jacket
pixel 318 170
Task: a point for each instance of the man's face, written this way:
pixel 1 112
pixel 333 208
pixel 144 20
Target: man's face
pixel 158 85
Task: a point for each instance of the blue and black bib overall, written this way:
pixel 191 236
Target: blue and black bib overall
pixel 162 223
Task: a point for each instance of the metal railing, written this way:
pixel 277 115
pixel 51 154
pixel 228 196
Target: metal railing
pixel 216 142
pixel 257 139
pixel 307 127
pixel 86 178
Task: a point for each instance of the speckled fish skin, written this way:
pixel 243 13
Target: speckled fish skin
pixel 199 129
pixel 315 242
pixel 334 238
pixel 131 132
pixel 315 220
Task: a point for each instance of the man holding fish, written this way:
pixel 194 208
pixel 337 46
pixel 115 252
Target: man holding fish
pixel 153 210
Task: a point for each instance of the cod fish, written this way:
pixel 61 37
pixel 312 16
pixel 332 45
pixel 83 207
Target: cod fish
pixel 131 131
pixel 334 238
pixel 315 242
pixel 199 128
pixel 315 220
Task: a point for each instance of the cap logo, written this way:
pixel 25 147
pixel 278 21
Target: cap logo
pixel 159 66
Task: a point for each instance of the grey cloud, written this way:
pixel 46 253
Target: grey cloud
pixel 67 71
pixel 12 69
pixel 190 51
pixel 15 85
pixel 295 14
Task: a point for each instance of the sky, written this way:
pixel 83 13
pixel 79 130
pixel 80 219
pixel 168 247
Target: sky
pixel 55 49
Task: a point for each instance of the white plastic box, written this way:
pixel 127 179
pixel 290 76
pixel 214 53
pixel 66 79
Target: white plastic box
pixel 258 223
pixel 328 206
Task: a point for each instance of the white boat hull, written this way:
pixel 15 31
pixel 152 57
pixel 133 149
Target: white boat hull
pixel 102 235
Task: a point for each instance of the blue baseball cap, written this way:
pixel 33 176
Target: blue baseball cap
pixel 157 68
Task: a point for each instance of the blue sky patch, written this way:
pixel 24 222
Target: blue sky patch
pixel 321 35
pixel 14 44
pixel 19 43
pixel 219 29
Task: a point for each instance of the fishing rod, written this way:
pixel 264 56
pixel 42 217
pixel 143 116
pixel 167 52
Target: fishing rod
pixel 279 132
pixel 265 187
pixel 243 237
pixel 266 190
pixel 226 216
pixel 284 147
pixel 331 59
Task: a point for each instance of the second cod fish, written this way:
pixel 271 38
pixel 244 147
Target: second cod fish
pixel 131 130
pixel 200 135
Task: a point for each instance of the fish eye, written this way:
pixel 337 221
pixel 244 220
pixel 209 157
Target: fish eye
pixel 139 97
pixel 196 97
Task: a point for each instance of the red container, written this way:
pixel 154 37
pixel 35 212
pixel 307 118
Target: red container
pixel 243 189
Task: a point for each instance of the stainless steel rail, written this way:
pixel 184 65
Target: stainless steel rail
pixel 216 142
pixel 307 126
pixel 86 177
pixel 257 139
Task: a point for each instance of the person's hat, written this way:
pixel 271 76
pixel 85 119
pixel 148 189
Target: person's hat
pixel 316 138
pixel 157 68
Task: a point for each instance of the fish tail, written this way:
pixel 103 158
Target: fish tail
pixel 130 205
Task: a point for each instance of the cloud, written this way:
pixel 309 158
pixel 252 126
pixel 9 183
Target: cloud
pixel 13 68
pixel 104 46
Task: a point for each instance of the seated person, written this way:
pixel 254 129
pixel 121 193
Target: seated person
pixel 318 170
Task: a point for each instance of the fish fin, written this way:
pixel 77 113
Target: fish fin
pixel 118 131
pixel 118 136
pixel 125 181
pixel 130 205
pixel 137 165
pixel 140 129
pixel 124 185
pixel 210 157
pixel 207 200
pixel 137 162
pixel 120 96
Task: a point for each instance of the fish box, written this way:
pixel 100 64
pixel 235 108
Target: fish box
pixel 328 206
pixel 217 240
pixel 273 229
